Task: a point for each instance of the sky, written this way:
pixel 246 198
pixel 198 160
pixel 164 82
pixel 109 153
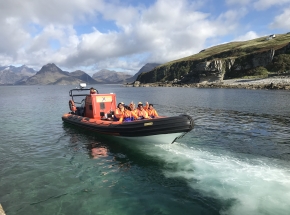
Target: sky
pixel 124 35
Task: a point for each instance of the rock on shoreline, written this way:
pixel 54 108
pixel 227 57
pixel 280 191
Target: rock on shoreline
pixel 275 83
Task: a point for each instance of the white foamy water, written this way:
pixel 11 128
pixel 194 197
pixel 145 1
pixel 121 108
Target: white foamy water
pixel 251 185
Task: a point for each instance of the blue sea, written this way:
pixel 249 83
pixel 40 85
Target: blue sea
pixel 236 160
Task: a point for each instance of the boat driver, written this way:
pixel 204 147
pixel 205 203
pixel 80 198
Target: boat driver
pixel 93 90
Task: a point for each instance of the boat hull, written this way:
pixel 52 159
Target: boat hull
pixel 167 129
pixel 158 138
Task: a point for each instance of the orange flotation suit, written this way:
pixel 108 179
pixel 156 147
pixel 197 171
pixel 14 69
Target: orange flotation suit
pixel 142 114
pixel 152 113
pixel 128 116
pixel 118 114
pixel 72 106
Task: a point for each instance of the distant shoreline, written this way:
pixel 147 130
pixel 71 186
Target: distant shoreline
pixel 273 83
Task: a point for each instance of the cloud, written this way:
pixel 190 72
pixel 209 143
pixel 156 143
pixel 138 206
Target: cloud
pixel 240 2
pixel 164 31
pixel 165 35
pixel 12 36
pixel 265 4
pixel 258 4
pixel 282 21
pixel 248 36
pixel 54 11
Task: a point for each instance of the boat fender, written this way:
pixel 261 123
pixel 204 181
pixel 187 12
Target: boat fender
pixel 72 106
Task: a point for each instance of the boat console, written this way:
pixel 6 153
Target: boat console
pixel 94 106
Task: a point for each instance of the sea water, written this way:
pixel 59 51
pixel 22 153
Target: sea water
pixel 235 160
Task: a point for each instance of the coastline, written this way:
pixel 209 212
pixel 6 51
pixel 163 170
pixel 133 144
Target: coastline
pixel 272 83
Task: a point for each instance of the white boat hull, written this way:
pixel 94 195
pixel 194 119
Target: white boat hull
pixel 159 138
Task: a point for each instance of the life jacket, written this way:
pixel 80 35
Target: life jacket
pixel 142 114
pixel 118 113
pixel 152 113
pixel 146 107
pixel 134 111
pixel 126 116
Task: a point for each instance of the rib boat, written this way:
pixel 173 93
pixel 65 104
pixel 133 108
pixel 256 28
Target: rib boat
pixel 95 112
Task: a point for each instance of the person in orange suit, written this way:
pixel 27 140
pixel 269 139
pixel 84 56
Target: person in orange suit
pixel 119 112
pixel 151 111
pixel 146 107
pixel 132 107
pixel 128 115
pixel 141 113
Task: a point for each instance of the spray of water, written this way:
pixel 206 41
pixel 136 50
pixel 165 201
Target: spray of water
pixel 254 185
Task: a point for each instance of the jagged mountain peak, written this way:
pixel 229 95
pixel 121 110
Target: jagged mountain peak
pixel 50 67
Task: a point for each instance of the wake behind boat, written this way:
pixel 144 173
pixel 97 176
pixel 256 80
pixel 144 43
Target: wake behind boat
pixel 95 112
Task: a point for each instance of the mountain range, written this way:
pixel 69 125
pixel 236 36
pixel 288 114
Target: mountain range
pixel 13 75
pixel 110 77
pixel 50 74
pixel 261 57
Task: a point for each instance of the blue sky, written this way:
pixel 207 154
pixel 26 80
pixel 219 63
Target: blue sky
pixel 124 35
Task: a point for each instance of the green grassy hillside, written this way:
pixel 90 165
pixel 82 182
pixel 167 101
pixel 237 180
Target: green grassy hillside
pixel 257 57
pixel 238 49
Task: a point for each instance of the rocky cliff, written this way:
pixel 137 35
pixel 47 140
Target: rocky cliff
pixel 232 60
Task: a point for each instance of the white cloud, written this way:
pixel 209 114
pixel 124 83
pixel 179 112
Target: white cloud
pixel 258 4
pixel 248 36
pixel 12 36
pixel 265 4
pixel 53 11
pixel 240 2
pixel 282 21
pixel 165 31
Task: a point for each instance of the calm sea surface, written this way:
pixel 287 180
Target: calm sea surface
pixel 235 161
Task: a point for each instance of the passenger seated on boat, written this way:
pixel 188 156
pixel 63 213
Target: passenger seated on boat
pixel 133 108
pixel 119 111
pixel 151 111
pixel 128 115
pixel 141 113
pixel 146 107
